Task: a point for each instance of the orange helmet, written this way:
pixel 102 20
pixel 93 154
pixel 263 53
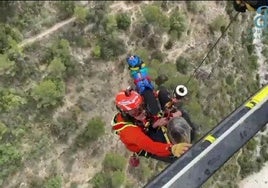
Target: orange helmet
pixel 128 100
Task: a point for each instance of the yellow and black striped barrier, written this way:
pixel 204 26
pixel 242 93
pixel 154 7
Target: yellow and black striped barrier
pixel 260 96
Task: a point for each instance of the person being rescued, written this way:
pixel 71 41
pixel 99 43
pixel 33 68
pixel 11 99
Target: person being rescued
pixel 168 103
pixel 142 135
pixel 243 5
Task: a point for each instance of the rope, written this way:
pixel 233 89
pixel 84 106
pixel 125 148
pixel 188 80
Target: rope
pixel 195 70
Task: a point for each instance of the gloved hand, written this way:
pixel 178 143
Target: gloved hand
pixel 160 122
pixel 178 149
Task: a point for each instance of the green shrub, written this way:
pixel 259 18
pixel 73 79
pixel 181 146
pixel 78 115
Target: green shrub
pixel 194 107
pixel 7 67
pixel 112 175
pixel 80 13
pixel 158 55
pixel 117 179
pixel 10 160
pixel 48 93
pixel 264 151
pixel 66 8
pixel 178 23
pixel 64 126
pixel 253 62
pixel 251 145
pixel 101 180
pixel 229 79
pixel 182 65
pixel 265 51
pixel 250 49
pixel 143 172
pixel 10 101
pixel 93 130
pixel 111 47
pixel 218 23
pixel 54 182
pixel 110 23
pixel 193 7
pixel 36 182
pixel 8 10
pixel 114 162
pixel 56 68
pixel 153 15
pixel 247 167
pixel 3 129
pixel 174 78
pixel 61 49
pixel 123 21
pixel 143 53
pixel 96 51
pixel 8 35
pixel 168 45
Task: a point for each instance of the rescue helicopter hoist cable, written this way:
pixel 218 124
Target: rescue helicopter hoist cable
pixel 223 33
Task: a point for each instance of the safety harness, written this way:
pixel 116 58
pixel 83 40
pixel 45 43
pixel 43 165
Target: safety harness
pixel 118 124
pixel 136 68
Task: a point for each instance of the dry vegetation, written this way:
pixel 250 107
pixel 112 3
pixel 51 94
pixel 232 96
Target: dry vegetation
pixel 56 91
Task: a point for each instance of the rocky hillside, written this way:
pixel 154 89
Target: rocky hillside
pixel 61 64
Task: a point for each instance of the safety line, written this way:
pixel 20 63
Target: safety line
pixel 211 49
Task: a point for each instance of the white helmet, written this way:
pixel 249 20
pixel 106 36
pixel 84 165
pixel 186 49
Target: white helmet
pixel 180 91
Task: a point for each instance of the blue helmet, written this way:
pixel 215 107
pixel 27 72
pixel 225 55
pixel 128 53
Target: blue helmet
pixel 134 61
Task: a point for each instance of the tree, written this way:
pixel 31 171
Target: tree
pixel 123 21
pixel 61 49
pixel 56 67
pixel 48 93
pixel 80 13
pixel 178 23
